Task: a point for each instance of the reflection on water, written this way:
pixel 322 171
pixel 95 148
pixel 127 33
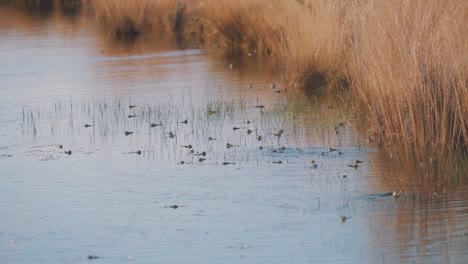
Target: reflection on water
pixel 96 159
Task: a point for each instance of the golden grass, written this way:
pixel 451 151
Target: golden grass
pixel 409 74
pixel 405 62
pixel 124 17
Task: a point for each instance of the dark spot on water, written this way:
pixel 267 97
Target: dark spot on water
pixel 128 133
pixel 92 257
pixel 280 133
pixel 131 116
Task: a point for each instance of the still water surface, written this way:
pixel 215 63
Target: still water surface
pixel 258 195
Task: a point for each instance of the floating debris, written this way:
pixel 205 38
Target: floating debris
pixel 273 86
pixel 187 146
pixel 182 162
pixel 132 106
pixel 249 131
pixel 201 159
pixel 192 151
pixel 228 163
pixel 260 147
pixel 259 106
pixel 358 161
pixel 235 128
pixel 248 122
pixel 277 162
pixel 171 135
pixel 60 146
pixel 344 176
pixel 155 125
pixel 353 165
pixel 332 149
pixel 251 86
pixel 343 218
pixel 87 125
pixel 131 116
pixel 315 166
pixel 128 133
pixel 184 122
pixel 212 112
pixel 278 91
pixel 211 138
pixel 396 194
pixel 228 145
pixel 201 154
pixel 68 152
pixel 138 152
pixel 280 133
pixel 340 153
pixel 92 257
pixel 341 124
pixel 259 138
pixel 175 206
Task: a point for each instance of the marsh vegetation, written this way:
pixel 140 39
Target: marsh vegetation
pixel 404 63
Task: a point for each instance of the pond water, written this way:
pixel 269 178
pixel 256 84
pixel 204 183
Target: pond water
pixel 145 152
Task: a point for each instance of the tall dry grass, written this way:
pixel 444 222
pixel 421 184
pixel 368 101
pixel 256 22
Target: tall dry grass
pixel 134 17
pixel 409 73
pixel 404 61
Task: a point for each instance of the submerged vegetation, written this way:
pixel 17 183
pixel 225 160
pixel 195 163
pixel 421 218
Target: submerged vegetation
pixel 404 62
